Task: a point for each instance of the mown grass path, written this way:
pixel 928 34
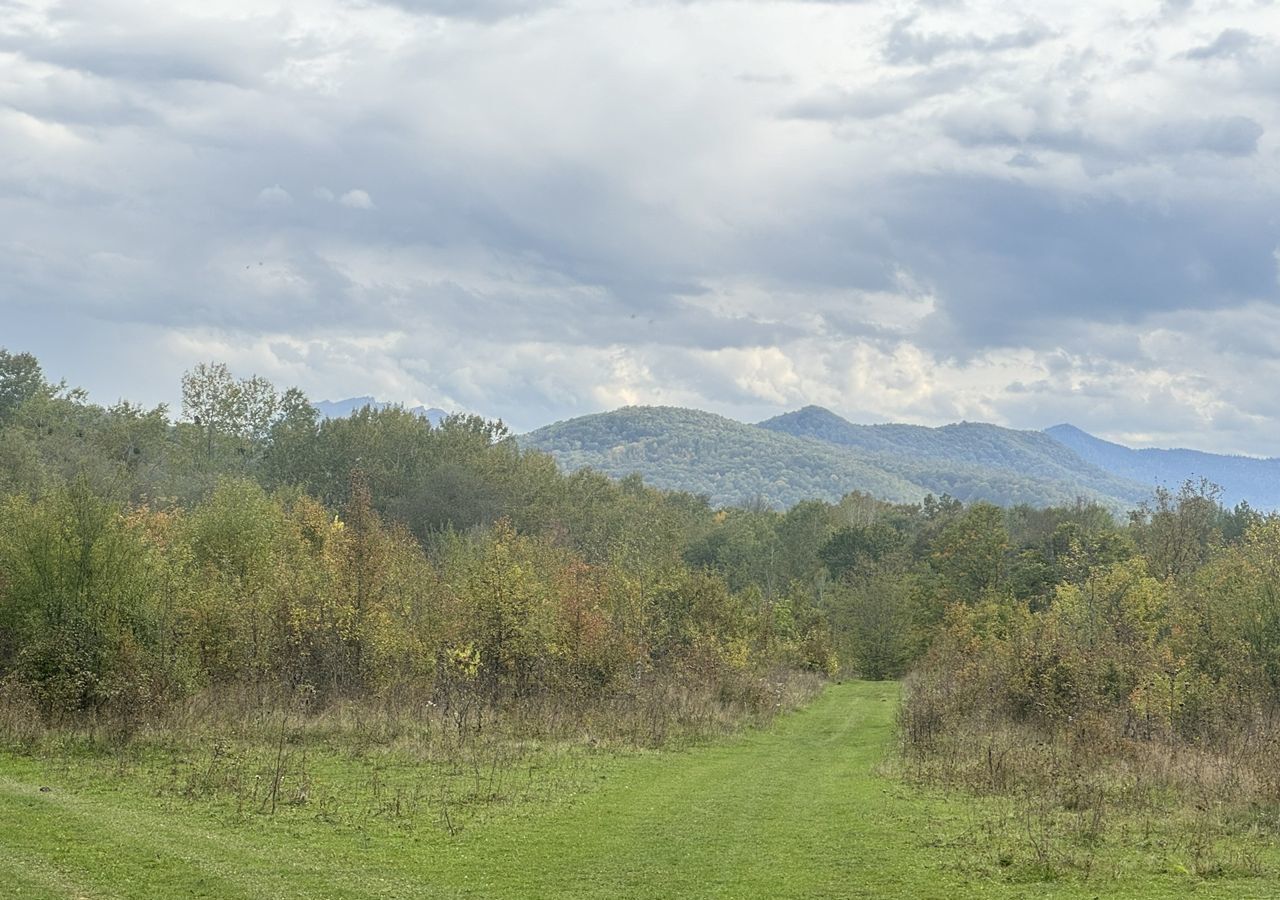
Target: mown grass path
pixel 798 810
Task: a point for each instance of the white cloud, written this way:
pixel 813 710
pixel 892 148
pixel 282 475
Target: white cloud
pixel 356 199
pixel 274 196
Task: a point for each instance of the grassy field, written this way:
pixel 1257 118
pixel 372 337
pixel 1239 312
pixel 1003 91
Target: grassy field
pixel 802 809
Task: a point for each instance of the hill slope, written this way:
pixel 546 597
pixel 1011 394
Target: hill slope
pixel 970 460
pixel 700 452
pixel 1241 477
pixel 735 463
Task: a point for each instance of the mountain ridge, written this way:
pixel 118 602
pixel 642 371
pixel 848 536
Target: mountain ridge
pixel 341 409
pixel 814 453
pixel 1252 479
pixel 1019 453
pixel 704 453
pixel 734 462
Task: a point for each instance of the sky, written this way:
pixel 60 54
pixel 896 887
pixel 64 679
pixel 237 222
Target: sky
pixel 920 211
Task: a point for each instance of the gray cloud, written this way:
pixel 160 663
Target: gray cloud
pixel 1021 263
pixel 907 44
pixel 477 10
pixel 1229 136
pixel 1223 135
pixel 1231 43
pixel 118 43
pixel 887 97
pixel 535 210
pixel 1173 9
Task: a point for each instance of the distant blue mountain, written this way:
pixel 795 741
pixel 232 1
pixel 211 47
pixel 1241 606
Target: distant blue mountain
pixel 340 409
pixel 1250 478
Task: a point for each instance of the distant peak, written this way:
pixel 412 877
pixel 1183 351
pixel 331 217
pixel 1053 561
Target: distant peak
pixel 340 409
pixel 1077 437
pixel 812 411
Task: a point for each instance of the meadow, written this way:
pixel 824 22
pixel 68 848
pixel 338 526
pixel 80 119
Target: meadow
pixel 810 805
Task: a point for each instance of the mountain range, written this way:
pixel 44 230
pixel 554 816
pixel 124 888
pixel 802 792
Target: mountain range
pixel 340 409
pixel 813 453
pixel 1251 479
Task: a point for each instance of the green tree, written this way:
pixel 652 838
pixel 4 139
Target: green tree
pixel 222 406
pixel 1178 532
pixel 872 615
pixel 79 602
pixel 969 553
pixel 21 379
pixel 856 548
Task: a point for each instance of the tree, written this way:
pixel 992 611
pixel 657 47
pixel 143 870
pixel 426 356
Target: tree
pixel 856 547
pixel 78 602
pixel 1178 532
pixel 802 531
pixel 969 552
pixel 21 379
pixel 207 392
pixel 217 403
pixel 293 445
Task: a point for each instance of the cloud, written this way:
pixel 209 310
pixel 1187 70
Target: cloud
pixel 535 210
pixel 1222 135
pixel 1231 43
pixel 127 44
pixel 1174 9
pixel 907 44
pixel 1103 147
pixel 478 10
pixel 274 196
pixel 887 97
pixel 1063 261
pixel 356 199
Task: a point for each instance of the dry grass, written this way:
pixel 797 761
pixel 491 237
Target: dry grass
pixel 1082 796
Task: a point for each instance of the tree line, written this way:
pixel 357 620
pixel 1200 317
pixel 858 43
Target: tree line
pixel 252 548
pixel 246 544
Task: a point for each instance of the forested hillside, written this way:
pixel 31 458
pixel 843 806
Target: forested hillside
pixel 813 454
pixel 1009 460
pixel 730 462
pixel 1242 478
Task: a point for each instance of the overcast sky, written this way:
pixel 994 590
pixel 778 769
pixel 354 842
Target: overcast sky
pixel 904 211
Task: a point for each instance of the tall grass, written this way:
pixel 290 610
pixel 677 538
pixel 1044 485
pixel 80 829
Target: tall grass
pixel 1071 798
pixel 417 758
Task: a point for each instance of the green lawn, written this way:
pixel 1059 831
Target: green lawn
pixel 798 810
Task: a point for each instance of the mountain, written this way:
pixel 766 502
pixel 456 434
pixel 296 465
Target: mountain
pixel 814 454
pixel 1035 467
pixel 700 452
pixel 340 409
pixel 1250 478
